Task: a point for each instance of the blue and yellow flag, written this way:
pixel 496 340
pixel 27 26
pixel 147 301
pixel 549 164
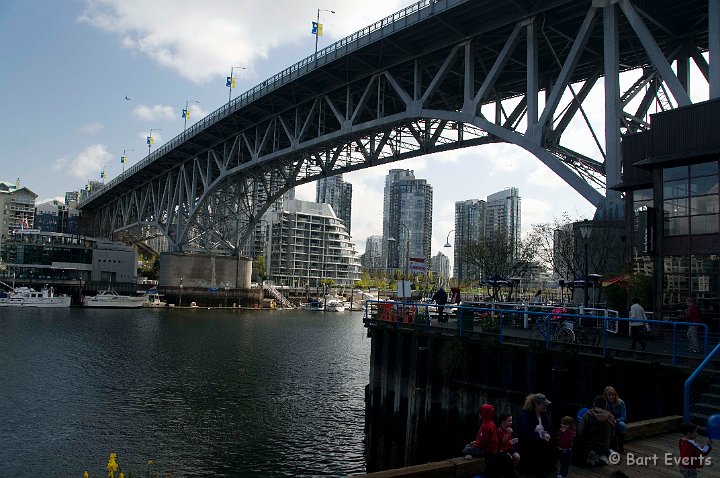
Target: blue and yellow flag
pixel 186 113
pixel 102 174
pixel 123 159
pixel 150 140
pixel 317 29
pixel 230 82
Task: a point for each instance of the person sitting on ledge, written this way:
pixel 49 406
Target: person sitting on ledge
pixel 598 428
pixel 486 442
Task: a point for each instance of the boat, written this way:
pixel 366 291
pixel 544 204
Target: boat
pixel 110 298
pixel 155 300
pixel 314 306
pixel 335 305
pixel 29 297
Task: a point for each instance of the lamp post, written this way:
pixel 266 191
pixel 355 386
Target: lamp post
pixel 585 228
pixel 456 264
pixel 407 255
pixel 231 81
pixel 318 28
pixel 123 159
pixel 186 112
pixel 150 139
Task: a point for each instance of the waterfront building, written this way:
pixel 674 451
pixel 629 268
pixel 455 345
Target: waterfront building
pixel 440 265
pixel 373 253
pixel 672 208
pixel 34 255
pixel 308 244
pixel 338 194
pixel 407 219
pixel 18 207
pixel 54 216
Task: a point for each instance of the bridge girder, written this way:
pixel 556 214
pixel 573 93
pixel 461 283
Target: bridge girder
pixel 213 191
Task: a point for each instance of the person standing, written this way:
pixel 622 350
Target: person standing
pixel 637 324
pixel 534 437
pixel 440 298
pixel 565 441
pixel 692 454
pixel 692 314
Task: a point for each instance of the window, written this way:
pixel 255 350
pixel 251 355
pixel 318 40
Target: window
pixel 691 204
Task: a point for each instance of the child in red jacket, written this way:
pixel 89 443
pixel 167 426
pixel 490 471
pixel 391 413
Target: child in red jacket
pixel 486 442
pixel 565 441
pixel 692 454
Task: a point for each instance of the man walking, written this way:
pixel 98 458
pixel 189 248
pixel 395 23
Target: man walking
pixel 440 298
pixel 637 324
pixel 692 314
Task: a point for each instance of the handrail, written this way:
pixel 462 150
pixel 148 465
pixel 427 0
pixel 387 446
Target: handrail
pixel 265 87
pixel 605 319
pixel 692 377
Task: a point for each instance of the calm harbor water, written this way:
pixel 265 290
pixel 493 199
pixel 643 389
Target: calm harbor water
pixel 200 392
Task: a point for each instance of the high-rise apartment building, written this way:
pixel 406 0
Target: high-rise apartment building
pixel 307 244
pixel 496 218
pixel 407 219
pixel 469 229
pixel 503 216
pixel 18 208
pixel 71 198
pixel 440 265
pixel 338 194
pixel 373 253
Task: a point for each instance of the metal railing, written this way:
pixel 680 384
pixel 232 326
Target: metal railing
pixel 390 24
pixel 502 323
pixel 692 377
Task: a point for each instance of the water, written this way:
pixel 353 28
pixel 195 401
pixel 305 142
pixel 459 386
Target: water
pixel 200 392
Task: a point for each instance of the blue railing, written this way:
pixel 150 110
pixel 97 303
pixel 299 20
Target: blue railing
pixel 397 21
pixel 693 376
pixel 494 322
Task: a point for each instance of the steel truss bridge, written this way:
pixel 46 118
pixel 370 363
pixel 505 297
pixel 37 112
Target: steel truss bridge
pixel 436 76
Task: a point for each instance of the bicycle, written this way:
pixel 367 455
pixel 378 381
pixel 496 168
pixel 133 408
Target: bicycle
pixel 560 331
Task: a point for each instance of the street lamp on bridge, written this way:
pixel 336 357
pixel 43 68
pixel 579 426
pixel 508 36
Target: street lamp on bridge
pixel 150 139
pixel 405 294
pixel 123 159
pixel 230 83
pixel 186 112
pixel 318 28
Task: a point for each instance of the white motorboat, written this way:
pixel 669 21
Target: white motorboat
pixel 335 305
pixel 29 297
pixel 110 298
pixel 155 300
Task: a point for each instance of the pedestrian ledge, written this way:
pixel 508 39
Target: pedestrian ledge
pixel 460 467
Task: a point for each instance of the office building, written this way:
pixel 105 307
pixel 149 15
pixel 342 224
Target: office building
pixel 308 244
pixel 338 194
pixel 407 219
pixel 502 218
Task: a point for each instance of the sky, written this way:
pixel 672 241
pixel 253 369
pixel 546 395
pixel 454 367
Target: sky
pixel 68 67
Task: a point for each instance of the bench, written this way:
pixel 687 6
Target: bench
pixel 653 427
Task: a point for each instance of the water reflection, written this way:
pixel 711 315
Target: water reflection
pixel 201 392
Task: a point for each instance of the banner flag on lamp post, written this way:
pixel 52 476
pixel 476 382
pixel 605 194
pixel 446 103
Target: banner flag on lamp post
pixel 230 82
pixel 317 29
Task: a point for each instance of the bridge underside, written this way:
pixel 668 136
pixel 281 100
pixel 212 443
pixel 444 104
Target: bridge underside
pixel 469 73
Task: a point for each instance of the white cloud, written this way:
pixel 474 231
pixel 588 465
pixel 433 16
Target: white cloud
pixel 155 112
pixel 201 40
pixel 92 128
pixel 86 164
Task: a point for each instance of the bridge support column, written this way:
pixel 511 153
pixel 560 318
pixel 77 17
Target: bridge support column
pixel 714 46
